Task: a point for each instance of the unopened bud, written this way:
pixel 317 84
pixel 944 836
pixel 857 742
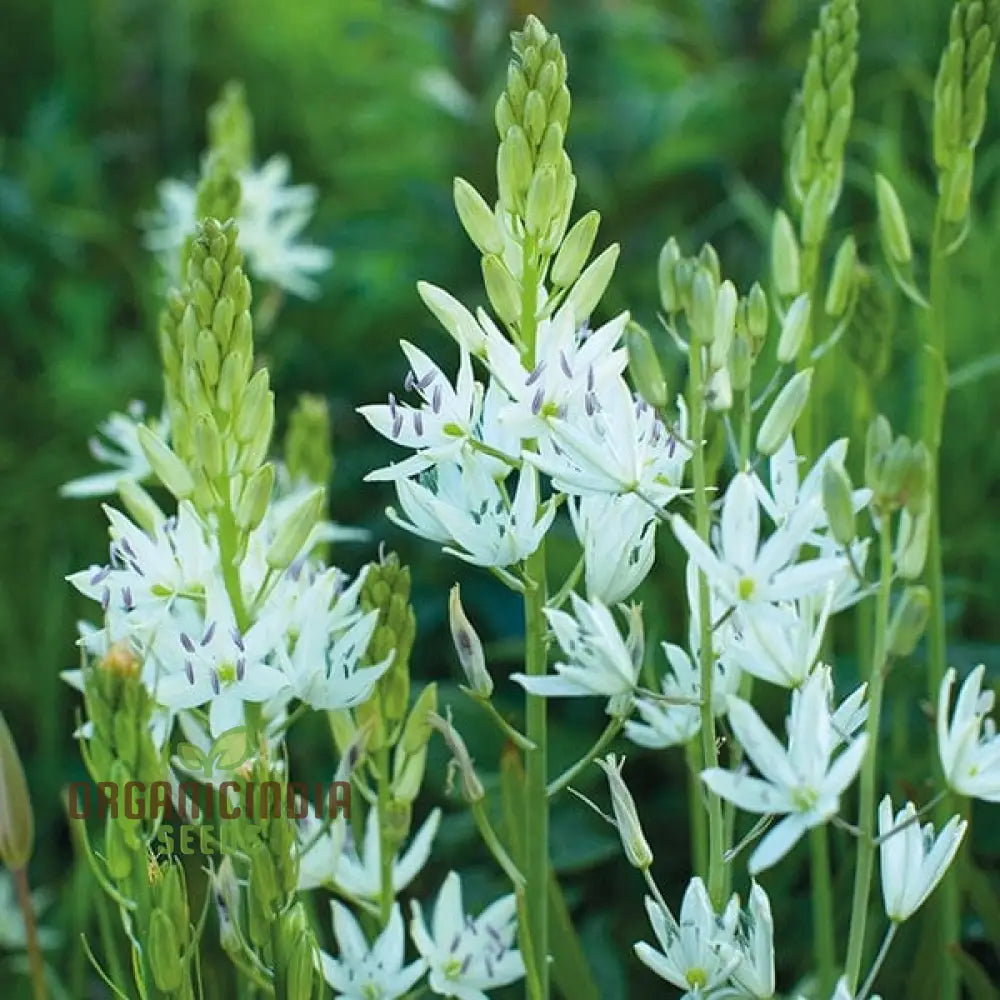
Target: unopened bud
pixel 719 391
pixel 708 258
pixel 670 297
pixel 477 218
pixel 916 485
pixel 877 444
pixel 757 317
pixel 957 192
pixel 701 315
pixel 911 543
pixel 740 364
pixel 793 329
pixel 644 366
pixel 164 951
pixel 541 205
pixel 295 532
pixel 785 411
pixel 909 619
pixel 255 497
pixel 838 502
pixel 454 317
pixel 166 466
pixel 252 406
pixel 592 284
pixel 208 445
pixel 724 324
pixel 471 657
pixel 516 156
pixel 17 820
pixel 637 848
pixel 785 268
pixel 502 290
pixel 838 293
pixel 417 730
pixel 575 250
pixel 142 508
pixel 892 222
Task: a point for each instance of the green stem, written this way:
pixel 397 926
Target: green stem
pixel 879 959
pixel 696 811
pixel 804 427
pixel 492 842
pixel 386 895
pixel 824 945
pixel 869 769
pixel 611 730
pixel 35 961
pixel 709 753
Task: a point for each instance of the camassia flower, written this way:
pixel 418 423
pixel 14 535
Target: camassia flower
pixel 804 782
pixel 968 744
pixel 361 972
pixel 467 956
pixel 912 860
pixel 698 953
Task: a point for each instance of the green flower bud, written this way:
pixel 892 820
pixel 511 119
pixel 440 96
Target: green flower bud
pixel 254 498
pixel 724 324
pixel 141 507
pixel 17 820
pixel 535 115
pixel 307 449
pixel 719 391
pixel 208 445
pixel 164 951
pixel 740 364
pixel 503 115
pixel 516 153
pixel 560 107
pixel 670 297
pixel 207 356
pixel 454 317
pixel 501 289
pixel 517 89
pixel 819 204
pixel 838 502
pixel 877 444
pixel 301 967
pixel 471 657
pixel 541 200
pixel 232 382
pixel 255 450
pixel 408 774
pixel 644 366
pixel 592 284
pixel 263 882
pixel 892 222
pixel 295 531
pixel 909 619
pixel 166 466
pixel 477 218
pixel 708 258
pixel 637 849
pixel 252 407
pixel 701 313
pixel 757 317
pixel 119 856
pixel 911 543
pixel 957 193
pixel 785 411
pixel 785 268
pixel 842 281
pixel 417 730
pixel 575 250
pixel 793 329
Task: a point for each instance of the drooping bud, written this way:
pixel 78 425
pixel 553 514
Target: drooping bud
pixel 634 841
pixel 468 645
pixel 472 787
pixel 785 411
pixel 454 317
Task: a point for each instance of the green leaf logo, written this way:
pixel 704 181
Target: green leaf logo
pixel 232 749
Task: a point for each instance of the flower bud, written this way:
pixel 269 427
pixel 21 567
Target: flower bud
pixel 670 297
pixel 785 411
pixel 252 406
pixel 592 284
pixel 541 206
pixel 575 250
pixel 740 364
pixel 838 293
pixel 911 543
pixel 817 208
pixel 877 444
pixel 909 619
pixel 141 507
pixel 295 531
pixel 501 289
pixel 468 646
pixel 892 222
pixel 255 450
pixel 644 366
pixel 785 268
pixel 207 356
pixel 838 502
pixel 472 787
pixel 708 258
pixel 957 191
pixel 17 820
pixel 408 774
pixel 417 730
pixel 793 329
pixel 917 482
pixel 719 391
pixel 701 314
pixel 477 218
pixel 164 950
pixel 637 848
pixel 254 498
pixel 724 324
pixel 516 156
pixel 756 317
pixel 454 317
pixel 208 446
pixel 166 466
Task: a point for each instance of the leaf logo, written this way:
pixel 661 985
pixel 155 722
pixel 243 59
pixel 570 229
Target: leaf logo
pixel 232 749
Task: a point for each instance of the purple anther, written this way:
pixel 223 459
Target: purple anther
pixel 209 632
pixel 214 678
pixel 436 399
pixel 189 671
pixel 100 576
pixel 564 365
pixel 241 668
pixel 186 642
pixel 536 374
pixel 418 423
pixel 536 403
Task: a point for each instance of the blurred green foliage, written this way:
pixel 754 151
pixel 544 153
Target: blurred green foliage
pixel 677 129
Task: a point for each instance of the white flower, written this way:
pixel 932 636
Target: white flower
pixel 363 973
pixel 122 451
pixel 743 574
pixel 804 783
pixel 755 972
pixel 699 952
pixel 618 535
pixel 271 217
pixel 665 724
pixel 619 446
pixel 599 661
pixel 439 428
pixel 337 861
pixel 970 758
pixel 221 665
pixel 467 956
pixel 471 512
pixel 912 861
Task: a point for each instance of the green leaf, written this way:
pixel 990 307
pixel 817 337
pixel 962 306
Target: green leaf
pixel 191 756
pixel 570 970
pixel 232 748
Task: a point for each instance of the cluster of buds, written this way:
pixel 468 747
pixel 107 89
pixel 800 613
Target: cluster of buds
pixel 170 940
pixel 822 118
pixel 960 99
pixel 308 450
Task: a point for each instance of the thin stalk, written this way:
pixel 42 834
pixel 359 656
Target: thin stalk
pixel 386 894
pixel 824 945
pixel 35 961
pixel 879 959
pixel 709 752
pixel 611 730
pixel 948 901
pixel 869 769
pixel 696 811
pixel 536 843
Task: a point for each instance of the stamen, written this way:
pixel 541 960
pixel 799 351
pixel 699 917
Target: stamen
pixel 189 671
pixel 392 404
pixel 410 381
pixel 564 365
pixel 105 598
pixel 100 576
pixel 238 639
pixel 426 381
pixel 590 379
pixel 186 642
pixel 397 425
pixel 214 678
pixel 209 632
pixel 536 374
pixel 241 668
pixel 127 598
pixel 536 403
pixel 436 399
pixel 418 423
